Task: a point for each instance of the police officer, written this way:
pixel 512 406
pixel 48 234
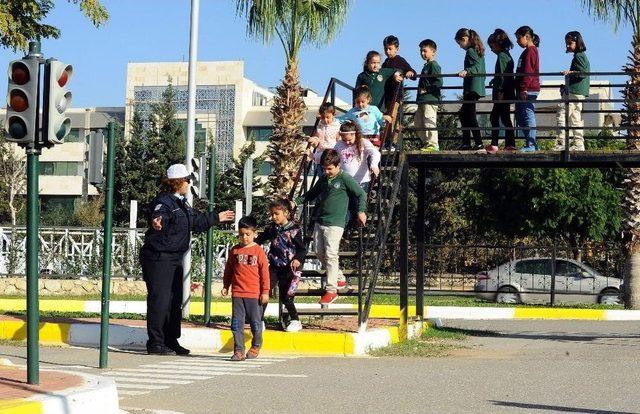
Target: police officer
pixel 171 221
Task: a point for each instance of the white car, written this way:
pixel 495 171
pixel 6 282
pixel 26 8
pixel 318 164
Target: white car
pixel 529 281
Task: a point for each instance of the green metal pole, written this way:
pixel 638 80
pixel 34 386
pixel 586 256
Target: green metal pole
pixel 108 227
pixel 33 307
pixel 209 256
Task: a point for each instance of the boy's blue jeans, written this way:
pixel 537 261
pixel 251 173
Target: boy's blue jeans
pixel 243 309
pixel 526 117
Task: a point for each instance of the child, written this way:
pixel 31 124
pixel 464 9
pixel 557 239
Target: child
pixel 577 90
pixel 472 86
pixel 368 117
pixel 247 272
pixel 428 97
pixel 332 193
pixel 326 134
pixel 286 256
pixel 357 155
pixel 391 46
pixel 527 86
pixel 375 78
pixel 503 89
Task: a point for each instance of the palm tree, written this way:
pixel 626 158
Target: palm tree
pixel 628 12
pixel 294 23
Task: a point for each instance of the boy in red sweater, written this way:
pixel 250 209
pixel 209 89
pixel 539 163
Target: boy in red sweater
pixel 247 272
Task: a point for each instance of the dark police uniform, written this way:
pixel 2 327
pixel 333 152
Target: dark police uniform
pixel 161 260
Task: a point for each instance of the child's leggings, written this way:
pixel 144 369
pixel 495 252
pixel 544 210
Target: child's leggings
pixel 250 309
pixel 501 112
pixel 468 119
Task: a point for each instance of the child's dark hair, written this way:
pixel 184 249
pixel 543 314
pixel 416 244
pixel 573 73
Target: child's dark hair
pixel 330 157
pixel 281 204
pixel 474 39
pixel 576 37
pixel 363 91
pixel 351 127
pixel 248 222
pixel 391 40
pixel 501 38
pixel 526 30
pixel 370 55
pixel 327 107
pixel 428 43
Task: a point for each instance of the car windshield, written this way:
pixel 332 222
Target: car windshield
pixel 589 269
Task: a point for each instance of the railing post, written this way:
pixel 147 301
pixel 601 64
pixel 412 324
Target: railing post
pixel 565 97
pixel 553 275
pixel 420 245
pixel 360 280
pixel 404 252
pixel 208 272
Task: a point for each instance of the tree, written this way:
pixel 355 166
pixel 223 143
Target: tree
pixel 628 12
pixel 13 179
pixel 22 21
pixel 294 23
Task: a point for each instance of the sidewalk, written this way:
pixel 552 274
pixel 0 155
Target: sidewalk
pixel 58 392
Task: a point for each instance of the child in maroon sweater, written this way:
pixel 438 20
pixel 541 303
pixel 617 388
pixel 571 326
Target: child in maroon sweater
pixel 528 86
pixel 247 273
pixel 391 46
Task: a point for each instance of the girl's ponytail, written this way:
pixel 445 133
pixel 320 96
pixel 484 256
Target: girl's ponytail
pixel 535 39
pixel 476 42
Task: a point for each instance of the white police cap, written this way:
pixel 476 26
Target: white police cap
pixel 177 171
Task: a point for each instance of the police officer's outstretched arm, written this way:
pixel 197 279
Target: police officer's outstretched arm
pixel 202 221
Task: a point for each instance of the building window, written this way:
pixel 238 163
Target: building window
pixel 61 168
pixel 74 135
pixel 259 99
pixel 265 169
pixel 259 133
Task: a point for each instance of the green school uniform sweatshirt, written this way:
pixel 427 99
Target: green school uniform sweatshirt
pixel 579 84
pixel 474 64
pixel 376 82
pixel 504 84
pixel 429 88
pixel 332 199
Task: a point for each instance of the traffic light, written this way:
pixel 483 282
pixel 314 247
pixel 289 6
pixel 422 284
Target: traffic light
pixel 199 186
pixel 57 99
pixel 96 158
pixel 22 101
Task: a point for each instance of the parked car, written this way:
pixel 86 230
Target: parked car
pixel 528 280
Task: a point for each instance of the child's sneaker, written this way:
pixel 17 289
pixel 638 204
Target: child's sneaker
pixel 528 148
pixel 328 298
pixel 342 284
pixel 430 148
pixel 238 356
pixel 253 353
pixel 492 149
pixel 294 326
pixel 510 149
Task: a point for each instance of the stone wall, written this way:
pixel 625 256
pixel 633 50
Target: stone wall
pixel 72 287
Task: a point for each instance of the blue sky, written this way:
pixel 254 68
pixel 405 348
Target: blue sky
pixel 158 30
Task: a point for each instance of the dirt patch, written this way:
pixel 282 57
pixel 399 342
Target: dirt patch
pixel 13 383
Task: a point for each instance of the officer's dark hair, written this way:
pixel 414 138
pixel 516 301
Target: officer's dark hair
pixel 428 43
pixel 330 157
pixel 391 40
pixel 281 204
pixel 577 37
pixel 172 185
pixel 248 222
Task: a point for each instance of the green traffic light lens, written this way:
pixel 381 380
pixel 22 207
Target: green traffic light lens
pixel 17 128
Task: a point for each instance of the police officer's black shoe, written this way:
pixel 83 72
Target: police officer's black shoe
pixel 160 350
pixel 178 349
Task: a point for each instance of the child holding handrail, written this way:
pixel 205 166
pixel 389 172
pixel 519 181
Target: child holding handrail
pixel 528 85
pixel 503 89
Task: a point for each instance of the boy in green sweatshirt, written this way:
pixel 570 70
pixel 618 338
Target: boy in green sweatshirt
pixel 428 97
pixel 332 194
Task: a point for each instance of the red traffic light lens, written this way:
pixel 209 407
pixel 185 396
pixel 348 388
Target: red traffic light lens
pixel 18 101
pixel 17 128
pixel 64 76
pixel 20 73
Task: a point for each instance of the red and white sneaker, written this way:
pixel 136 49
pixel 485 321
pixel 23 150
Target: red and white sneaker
pixel 491 149
pixel 342 283
pixel 328 298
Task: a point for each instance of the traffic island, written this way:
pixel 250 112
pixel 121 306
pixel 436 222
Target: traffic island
pixel 58 392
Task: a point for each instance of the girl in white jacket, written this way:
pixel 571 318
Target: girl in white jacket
pixel 358 156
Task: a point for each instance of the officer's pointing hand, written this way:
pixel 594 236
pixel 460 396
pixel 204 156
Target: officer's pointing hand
pixel 156 223
pixel 226 216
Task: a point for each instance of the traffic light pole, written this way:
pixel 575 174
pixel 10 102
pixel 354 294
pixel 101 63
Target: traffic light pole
pixel 209 255
pixel 108 229
pixel 33 307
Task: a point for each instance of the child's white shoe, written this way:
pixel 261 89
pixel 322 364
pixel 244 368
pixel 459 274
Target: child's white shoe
pixel 294 326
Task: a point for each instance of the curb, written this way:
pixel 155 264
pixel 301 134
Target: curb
pixel 98 395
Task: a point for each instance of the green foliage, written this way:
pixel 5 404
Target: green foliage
pixel 22 21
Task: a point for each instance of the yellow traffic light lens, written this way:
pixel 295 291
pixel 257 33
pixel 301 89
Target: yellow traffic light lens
pixel 18 101
pixel 20 73
pixel 17 128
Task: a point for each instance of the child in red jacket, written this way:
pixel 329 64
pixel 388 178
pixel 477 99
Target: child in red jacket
pixel 247 272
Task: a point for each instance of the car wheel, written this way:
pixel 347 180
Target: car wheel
pixel 507 294
pixel 610 297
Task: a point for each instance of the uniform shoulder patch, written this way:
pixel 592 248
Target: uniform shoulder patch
pixel 158 207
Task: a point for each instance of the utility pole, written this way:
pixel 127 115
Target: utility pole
pixel 190 147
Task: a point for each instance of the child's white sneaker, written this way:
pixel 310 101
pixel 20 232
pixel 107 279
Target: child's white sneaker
pixel 294 326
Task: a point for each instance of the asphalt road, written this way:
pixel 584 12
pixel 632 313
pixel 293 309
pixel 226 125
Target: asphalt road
pixel 528 367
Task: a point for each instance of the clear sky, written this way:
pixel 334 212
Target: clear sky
pixel 158 30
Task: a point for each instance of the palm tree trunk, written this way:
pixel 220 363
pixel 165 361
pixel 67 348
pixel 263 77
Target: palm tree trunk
pixel 286 146
pixel 632 190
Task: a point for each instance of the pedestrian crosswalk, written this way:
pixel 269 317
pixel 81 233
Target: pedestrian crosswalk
pixel 161 375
